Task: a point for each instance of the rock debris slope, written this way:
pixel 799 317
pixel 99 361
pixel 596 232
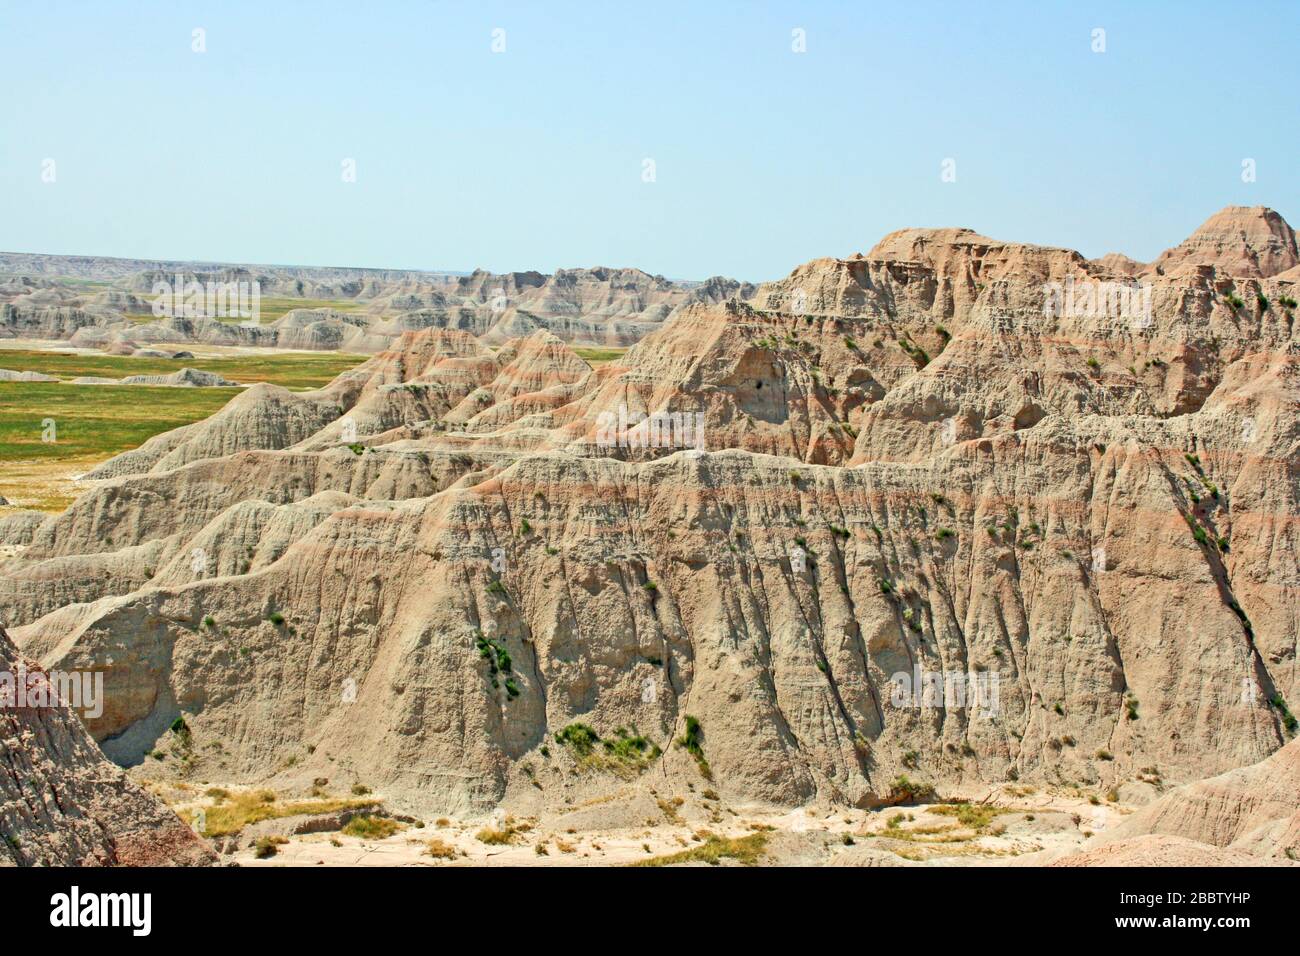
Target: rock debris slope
pixel 422 573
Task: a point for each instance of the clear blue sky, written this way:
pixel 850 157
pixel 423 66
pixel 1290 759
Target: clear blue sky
pixel 532 158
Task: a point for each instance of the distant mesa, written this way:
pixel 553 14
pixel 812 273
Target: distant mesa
pixel 9 375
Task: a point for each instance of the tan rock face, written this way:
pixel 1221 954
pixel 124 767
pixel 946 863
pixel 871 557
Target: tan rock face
pixel 63 804
pixel 1252 242
pixel 1255 808
pixel 1245 817
pixel 948 462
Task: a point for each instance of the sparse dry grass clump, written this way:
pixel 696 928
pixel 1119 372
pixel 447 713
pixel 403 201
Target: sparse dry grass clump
pixel 503 835
pixel 670 808
pixel 746 850
pixel 371 828
pixel 975 816
pixel 494 837
pixel 439 849
pixel 268 846
pixel 233 812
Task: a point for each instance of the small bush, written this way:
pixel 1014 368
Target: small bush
pixel 691 742
pixel 746 850
pixel 276 618
pixel 581 737
pixel 371 828
pixel 905 790
pixel 1288 719
pixel 629 747
pixel 977 817
pixel 267 847
pixel 494 837
pixel 440 849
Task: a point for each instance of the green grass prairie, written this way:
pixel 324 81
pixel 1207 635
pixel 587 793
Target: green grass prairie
pixel 596 355
pixel 91 423
pixel 269 308
pixel 295 370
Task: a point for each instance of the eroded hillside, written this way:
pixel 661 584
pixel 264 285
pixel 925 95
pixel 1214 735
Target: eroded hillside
pixel 901 464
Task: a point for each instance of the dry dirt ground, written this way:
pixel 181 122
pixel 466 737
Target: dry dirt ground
pixel 1006 825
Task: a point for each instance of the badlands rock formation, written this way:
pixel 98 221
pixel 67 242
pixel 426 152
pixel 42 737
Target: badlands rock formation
pixel 599 306
pixel 1255 809
pixel 1242 242
pixel 181 378
pixel 63 804
pixel 949 456
pixel 1245 817
pixel 9 375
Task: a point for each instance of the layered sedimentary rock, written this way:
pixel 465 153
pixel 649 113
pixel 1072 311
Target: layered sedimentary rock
pixel 613 307
pixel 946 467
pixel 61 802
pixel 1255 809
pixel 181 378
pixel 1238 241
pixel 1245 817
